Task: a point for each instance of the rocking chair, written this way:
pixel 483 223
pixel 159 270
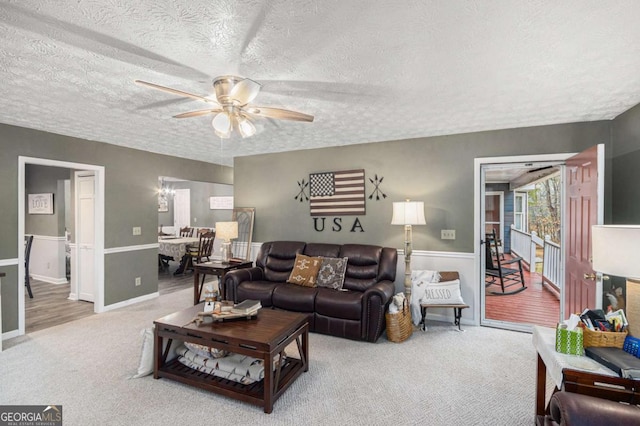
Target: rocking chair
pixel 499 273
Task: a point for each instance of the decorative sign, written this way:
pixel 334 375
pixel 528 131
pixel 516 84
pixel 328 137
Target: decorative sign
pixel 40 203
pixel 163 203
pixel 221 203
pixel 302 191
pixel 337 193
pixel 377 192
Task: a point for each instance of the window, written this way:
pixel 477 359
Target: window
pixel 520 211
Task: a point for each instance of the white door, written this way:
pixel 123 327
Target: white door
pixel 181 209
pixel 85 224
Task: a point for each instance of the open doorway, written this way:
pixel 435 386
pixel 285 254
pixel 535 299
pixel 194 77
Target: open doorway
pixel 94 233
pixel 522 210
pixel 501 200
pixel 582 186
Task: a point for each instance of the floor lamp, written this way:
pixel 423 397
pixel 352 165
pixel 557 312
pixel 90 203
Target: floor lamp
pixel 408 213
pixel 616 251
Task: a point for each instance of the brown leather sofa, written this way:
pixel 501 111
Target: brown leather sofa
pixel 357 313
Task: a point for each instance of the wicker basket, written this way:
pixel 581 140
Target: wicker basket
pixel 399 326
pixel 607 339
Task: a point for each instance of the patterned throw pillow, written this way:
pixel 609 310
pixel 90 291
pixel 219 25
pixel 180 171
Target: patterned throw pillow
pixel 305 270
pixel 331 273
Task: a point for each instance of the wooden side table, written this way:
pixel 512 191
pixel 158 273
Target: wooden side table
pixel 213 268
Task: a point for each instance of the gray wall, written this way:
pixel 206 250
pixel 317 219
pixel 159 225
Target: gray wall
pixel 131 182
pixel 44 179
pixel 201 214
pixel 626 167
pixel 436 170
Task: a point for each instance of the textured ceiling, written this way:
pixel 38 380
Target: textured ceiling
pixel 367 70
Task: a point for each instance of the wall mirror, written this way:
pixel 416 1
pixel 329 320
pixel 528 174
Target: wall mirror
pixel 241 246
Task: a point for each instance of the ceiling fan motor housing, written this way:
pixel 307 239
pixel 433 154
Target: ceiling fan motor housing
pixel 223 86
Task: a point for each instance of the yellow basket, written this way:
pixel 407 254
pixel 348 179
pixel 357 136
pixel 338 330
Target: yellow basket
pixel 399 326
pixel 607 339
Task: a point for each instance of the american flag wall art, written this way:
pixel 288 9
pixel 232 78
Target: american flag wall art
pixel 337 193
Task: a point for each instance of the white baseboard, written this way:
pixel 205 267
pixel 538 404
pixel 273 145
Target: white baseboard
pixel 50 280
pixel 131 301
pixel 10 334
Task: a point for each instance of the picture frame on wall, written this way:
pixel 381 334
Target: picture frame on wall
pixel 41 203
pixel 163 203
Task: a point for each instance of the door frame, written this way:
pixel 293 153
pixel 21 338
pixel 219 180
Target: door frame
pixel 98 305
pixel 478 227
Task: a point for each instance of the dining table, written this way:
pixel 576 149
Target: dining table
pixel 171 247
pixel 175 247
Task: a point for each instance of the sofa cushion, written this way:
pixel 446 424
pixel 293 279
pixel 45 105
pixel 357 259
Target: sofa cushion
pixel 321 249
pixel 331 273
pixel 339 304
pixel 277 258
pixel 256 290
pixel 294 297
pixel 362 266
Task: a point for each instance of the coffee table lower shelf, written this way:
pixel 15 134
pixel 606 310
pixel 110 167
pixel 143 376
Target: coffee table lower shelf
pixel 252 393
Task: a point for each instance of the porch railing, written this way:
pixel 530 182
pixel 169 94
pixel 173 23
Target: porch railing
pixel 524 245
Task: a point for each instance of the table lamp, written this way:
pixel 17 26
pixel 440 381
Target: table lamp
pixel 616 251
pixel 408 213
pixel 226 231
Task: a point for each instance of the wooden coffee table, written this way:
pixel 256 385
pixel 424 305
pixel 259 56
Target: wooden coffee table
pixel 264 337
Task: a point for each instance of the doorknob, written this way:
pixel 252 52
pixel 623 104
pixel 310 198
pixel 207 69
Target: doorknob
pixel 592 276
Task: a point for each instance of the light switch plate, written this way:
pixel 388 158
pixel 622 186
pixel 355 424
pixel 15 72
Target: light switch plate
pixel 137 230
pixel 448 234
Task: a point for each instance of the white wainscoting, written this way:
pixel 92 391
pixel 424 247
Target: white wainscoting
pixel 463 263
pixel 47 259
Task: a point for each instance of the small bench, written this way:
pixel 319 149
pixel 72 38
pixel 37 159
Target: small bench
pixel 457 312
pixel 457 308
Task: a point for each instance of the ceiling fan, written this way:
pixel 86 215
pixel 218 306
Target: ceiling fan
pixel 232 110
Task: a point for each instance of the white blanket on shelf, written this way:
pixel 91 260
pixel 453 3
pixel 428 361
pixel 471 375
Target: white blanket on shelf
pixel 239 368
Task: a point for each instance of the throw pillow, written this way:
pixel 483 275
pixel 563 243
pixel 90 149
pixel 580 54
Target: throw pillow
pixel 331 273
pixel 442 293
pixel 305 270
pixel 145 365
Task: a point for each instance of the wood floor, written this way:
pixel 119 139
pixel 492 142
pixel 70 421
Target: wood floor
pixel 536 305
pixel 50 305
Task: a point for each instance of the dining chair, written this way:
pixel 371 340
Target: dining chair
pixel 202 251
pixel 27 255
pixel 186 232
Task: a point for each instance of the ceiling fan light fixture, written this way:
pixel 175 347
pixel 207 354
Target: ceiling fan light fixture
pixel 246 127
pixel 222 122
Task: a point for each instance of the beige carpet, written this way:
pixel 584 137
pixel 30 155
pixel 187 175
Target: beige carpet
pixel 438 377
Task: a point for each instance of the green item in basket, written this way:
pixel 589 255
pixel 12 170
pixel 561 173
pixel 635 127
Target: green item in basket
pixel 569 341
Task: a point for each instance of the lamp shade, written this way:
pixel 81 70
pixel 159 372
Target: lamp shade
pixel 408 213
pixel 616 250
pixel 227 230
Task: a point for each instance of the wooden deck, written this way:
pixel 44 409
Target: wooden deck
pixel 536 305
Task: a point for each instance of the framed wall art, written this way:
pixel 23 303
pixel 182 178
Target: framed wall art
pixel 41 203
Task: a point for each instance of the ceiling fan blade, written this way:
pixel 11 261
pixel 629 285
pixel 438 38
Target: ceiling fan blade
pixel 245 91
pixel 278 113
pixel 173 91
pixel 197 113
